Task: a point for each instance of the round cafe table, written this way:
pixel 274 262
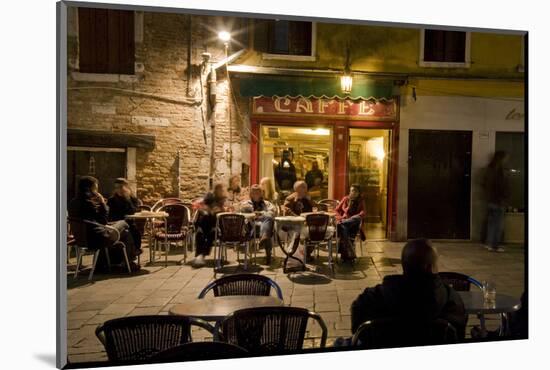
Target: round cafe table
pixel 474 303
pixel 289 248
pixel 218 308
pixel 147 215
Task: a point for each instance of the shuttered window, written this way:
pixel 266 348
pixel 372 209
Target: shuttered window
pixel 106 41
pixel 283 37
pixel 444 46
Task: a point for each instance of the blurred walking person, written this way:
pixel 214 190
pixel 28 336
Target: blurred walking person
pixel 496 191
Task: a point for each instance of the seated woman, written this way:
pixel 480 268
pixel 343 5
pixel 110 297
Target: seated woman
pixel 268 191
pixel 213 203
pixel 90 205
pixel 235 192
pixel 123 203
pixel 349 215
pixel 265 218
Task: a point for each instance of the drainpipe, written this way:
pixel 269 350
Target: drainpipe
pixel 211 82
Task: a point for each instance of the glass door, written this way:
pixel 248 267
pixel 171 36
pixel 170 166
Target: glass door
pixel 368 167
pixel 291 153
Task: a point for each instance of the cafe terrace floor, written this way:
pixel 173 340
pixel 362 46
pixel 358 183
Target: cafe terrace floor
pixel 157 288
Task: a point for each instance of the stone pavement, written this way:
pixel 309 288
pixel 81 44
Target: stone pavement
pixel 157 288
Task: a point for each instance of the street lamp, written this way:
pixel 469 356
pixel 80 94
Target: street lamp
pixel 346 82
pixel 224 36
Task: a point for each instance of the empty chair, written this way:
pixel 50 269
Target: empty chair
pixel 270 330
pixel 177 228
pixel 200 351
pixel 458 281
pixel 79 231
pixel 391 332
pixel 230 230
pixel 319 232
pixel 242 284
pixel 164 202
pixel 139 338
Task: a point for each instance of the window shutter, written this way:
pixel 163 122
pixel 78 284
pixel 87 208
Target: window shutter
pixel 126 42
pixel 444 46
pixel 261 34
pixel 300 38
pixel 100 44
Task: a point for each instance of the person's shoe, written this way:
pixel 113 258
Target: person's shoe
pixel 487 247
pixel 138 252
pixel 198 261
pixel 134 267
pixel 497 250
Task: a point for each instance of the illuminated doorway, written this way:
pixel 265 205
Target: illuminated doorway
pixel 369 167
pixel 297 152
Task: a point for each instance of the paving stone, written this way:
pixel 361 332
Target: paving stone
pixel 153 302
pixel 120 309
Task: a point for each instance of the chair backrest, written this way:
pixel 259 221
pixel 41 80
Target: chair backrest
pixel 317 224
pixel 164 202
pixel 392 332
pixel 200 351
pixel 458 281
pixel 179 216
pixel 242 284
pixel 270 330
pixel 143 207
pixel 231 227
pixel 138 338
pixel 79 232
pixel 328 204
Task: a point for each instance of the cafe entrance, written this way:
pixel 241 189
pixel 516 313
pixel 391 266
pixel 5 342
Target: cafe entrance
pixel 330 144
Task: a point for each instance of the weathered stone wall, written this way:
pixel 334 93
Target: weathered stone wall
pixel 155 101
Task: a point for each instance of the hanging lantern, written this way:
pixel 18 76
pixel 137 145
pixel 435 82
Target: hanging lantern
pixel 346 83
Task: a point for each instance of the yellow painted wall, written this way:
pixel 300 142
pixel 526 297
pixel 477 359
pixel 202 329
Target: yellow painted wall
pixel 396 50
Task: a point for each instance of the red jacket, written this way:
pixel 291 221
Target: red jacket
pixel 343 209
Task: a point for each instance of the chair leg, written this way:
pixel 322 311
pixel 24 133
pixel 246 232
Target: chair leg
pixel 108 258
pixel 96 257
pixel 78 262
pixel 166 251
pixel 126 260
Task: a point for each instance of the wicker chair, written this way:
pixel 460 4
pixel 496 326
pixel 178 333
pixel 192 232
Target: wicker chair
pixel 200 351
pixel 391 332
pixel 270 330
pixel 459 282
pixel 242 284
pixel 164 202
pixel 317 224
pixel 138 338
pixel 230 230
pixel 177 227
pixel 79 230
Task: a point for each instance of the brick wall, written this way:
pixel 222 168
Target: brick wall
pixel 154 101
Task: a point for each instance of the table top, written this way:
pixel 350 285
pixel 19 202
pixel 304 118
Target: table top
pixel 475 303
pixel 247 215
pixel 290 219
pixel 217 308
pixel 147 214
pixel 330 214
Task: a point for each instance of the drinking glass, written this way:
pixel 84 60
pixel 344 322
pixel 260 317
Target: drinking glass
pixel 489 292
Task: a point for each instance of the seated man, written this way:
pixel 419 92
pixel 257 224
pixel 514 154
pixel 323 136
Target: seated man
pixel 265 217
pixel 123 203
pixel 418 294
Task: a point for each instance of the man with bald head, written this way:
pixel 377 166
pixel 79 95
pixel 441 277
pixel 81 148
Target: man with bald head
pixel 418 294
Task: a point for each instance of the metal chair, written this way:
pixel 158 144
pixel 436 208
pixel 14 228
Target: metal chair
pixel 317 225
pixel 459 282
pixel 177 227
pixel 193 351
pixel 79 229
pixel 242 284
pixel 270 330
pixel 393 332
pixel 230 230
pixel 139 338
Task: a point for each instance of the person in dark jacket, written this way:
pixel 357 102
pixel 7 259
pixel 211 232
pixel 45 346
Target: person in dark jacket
pixel 123 203
pixel 285 173
pixel 213 203
pixel 418 294
pixel 314 177
pixel 90 205
pixel 497 191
